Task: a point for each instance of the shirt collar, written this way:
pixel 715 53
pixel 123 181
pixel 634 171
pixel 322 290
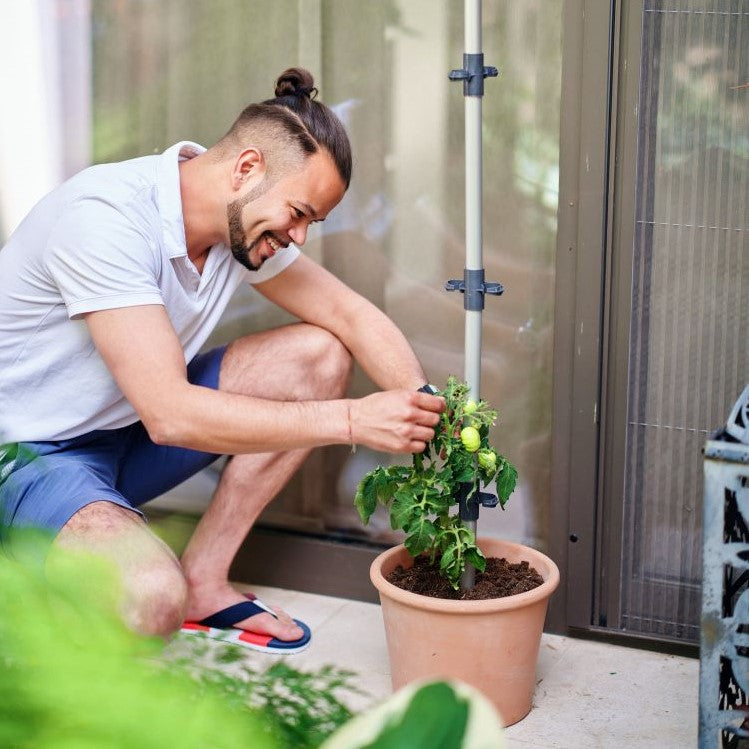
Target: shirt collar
pixel 168 195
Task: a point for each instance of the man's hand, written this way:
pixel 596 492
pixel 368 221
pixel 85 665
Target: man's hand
pixel 395 421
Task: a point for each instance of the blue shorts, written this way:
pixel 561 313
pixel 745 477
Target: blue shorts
pixel 42 484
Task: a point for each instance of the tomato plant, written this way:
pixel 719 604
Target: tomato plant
pixel 470 438
pixel 420 497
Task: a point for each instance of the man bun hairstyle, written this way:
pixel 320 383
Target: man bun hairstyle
pixel 296 82
pixel 295 119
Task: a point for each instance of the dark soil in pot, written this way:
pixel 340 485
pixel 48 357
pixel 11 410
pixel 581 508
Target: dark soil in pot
pixel 500 579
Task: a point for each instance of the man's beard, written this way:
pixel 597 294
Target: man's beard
pixel 237 237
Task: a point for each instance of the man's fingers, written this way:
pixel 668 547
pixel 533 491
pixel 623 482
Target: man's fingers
pixel 396 421
pixel 434 403
pixel 422 434
pixel 430 419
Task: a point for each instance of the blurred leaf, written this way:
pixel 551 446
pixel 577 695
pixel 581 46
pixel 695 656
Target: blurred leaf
pixel 476 558
pixel 436 718
pixel 72 675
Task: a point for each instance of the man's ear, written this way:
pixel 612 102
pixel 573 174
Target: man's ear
pixel 250 166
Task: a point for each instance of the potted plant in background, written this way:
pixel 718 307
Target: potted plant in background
pixel 487 636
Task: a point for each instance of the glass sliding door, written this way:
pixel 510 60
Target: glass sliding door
pixel 172 70
pixel 141 75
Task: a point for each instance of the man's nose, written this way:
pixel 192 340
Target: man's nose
pixel 298 233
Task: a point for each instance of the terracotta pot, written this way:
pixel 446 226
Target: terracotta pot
pixel 492 644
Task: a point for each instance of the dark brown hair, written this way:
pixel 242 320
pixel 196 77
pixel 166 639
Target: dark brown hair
pixel 300 120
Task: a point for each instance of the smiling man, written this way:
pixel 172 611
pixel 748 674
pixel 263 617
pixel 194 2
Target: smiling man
pixel 108 291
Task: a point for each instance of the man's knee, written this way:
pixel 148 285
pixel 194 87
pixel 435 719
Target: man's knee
pixel 296 362
pixel 329 364
pixel 154 590
pixel 155 601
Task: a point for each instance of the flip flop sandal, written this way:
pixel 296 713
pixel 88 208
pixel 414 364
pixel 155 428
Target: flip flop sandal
pixel 220 626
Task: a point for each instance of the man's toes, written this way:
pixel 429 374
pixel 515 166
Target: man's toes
pixel 266 624
pixel 291 632
pixel 283 616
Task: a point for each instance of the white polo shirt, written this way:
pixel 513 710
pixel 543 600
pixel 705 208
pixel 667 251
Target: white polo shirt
pixel 112 236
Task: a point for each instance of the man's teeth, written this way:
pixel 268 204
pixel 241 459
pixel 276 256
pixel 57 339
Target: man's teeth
pixel 273 244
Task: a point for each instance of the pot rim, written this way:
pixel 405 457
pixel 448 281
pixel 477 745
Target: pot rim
pixel 543 564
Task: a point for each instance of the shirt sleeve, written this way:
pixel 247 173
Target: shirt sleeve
pixel 99 259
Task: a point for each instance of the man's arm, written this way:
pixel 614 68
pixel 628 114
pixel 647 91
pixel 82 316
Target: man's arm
pixel 316 296
pixel 142 351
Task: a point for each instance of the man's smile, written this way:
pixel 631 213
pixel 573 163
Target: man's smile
pixel 274 243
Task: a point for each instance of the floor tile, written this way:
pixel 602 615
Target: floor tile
pixel 354 639
pixel 601 695
pixel 588 694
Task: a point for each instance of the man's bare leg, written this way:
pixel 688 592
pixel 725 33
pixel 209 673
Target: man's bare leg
pixel 154 589
pixel 299 362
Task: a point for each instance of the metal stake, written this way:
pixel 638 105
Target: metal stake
pixel 472 74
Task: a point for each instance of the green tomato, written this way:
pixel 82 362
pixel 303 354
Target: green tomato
pixel 470 438
pixel 470 407
pixel 488 459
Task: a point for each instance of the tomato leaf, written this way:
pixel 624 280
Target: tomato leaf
pixel 506 481
pixel 402 510
pixel 448 557
pixel 476 558
pixel 421 536
pixel 366 497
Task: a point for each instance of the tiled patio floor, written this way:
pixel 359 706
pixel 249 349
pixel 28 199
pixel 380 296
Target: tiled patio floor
pixel 589 694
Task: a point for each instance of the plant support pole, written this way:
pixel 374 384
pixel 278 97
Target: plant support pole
pixel 474 174
pixel 473 286
pixel 474 255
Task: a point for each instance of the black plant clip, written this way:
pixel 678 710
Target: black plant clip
pixel 468 506
pixel 474 287
pixel 473 73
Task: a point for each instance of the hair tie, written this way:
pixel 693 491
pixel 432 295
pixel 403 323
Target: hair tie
pixel 308 91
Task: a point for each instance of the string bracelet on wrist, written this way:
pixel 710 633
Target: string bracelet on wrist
pixel 350 433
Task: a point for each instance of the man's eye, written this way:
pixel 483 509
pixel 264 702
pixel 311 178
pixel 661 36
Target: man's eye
pixel 298 213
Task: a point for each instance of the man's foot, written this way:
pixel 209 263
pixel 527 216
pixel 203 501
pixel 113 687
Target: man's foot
pixel 204 603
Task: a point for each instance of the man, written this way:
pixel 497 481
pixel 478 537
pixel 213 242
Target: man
pixel 109 288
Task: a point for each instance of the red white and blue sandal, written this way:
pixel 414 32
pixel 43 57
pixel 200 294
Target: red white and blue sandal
pixel 220 626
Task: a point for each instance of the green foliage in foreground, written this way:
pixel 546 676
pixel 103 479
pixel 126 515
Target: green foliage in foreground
pixel 426 715
pixel 302 707
pixel 420 497
pixel 72 675
pixel 415 731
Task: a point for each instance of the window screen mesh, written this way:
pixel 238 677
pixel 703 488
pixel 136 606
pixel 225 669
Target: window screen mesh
pixel 689 358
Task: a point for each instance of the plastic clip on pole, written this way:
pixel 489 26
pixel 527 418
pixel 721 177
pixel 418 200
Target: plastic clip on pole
pixel 473 73
pixel 474 287
pixel 469 506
